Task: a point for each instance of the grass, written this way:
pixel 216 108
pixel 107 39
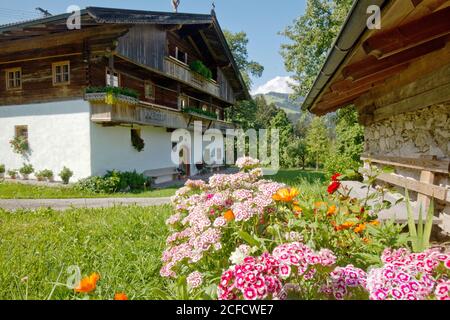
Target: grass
pixel 123 244
pixel 25 191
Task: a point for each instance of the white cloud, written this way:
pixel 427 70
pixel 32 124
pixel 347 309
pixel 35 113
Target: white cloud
pixel 277 84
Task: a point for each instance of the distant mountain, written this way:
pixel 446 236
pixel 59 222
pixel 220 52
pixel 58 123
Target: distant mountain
pixel 293 109
pixel 282 101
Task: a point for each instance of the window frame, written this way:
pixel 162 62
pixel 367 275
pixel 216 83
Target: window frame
pixel 153 87
pixel 13 70
pixel 107 77
pixel 54 74
pixel 19 129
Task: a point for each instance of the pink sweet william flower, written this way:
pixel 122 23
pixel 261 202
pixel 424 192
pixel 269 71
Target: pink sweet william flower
pixel 194 280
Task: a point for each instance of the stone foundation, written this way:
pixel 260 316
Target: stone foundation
pixel 425 132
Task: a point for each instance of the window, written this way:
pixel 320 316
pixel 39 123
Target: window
pixel 14 79
pixel 183 102
pixel 181 56
pixel 21 131
pixel 115 81
pixel 149 90
pixel 61 73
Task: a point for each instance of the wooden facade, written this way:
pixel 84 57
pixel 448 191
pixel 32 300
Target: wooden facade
pixel 398 78
pixel 139 47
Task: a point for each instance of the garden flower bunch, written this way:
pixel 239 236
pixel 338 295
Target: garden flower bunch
pixel 266 240
pixel 265 277
pixel 207 216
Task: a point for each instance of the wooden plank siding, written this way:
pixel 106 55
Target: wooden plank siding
pixel 37 81
pixel 144 44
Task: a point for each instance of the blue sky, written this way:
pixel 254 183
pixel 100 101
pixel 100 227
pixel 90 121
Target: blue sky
pixel 261 19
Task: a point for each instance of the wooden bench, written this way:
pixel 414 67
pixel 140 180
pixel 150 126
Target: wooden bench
pixel 425 187
pixel 161 175
pixel 214 167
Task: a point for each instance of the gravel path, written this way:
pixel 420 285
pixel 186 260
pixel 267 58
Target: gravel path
pixel 63 204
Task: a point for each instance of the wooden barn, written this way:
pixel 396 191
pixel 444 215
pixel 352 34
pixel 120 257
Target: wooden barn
pixel 168 70
pixel 398 78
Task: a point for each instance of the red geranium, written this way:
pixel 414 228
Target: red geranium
pixel 333 187
pixel 335 177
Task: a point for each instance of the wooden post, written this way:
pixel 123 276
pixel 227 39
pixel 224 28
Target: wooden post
pixel 111 69
pixel 426 177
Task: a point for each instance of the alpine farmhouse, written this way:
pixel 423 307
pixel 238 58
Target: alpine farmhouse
pixel 55 89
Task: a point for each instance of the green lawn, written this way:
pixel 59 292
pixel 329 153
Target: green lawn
pixel 123 244
pixel 26 191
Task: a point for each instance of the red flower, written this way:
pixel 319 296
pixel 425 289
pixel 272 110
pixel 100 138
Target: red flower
pixel 333 187
pixel 335 177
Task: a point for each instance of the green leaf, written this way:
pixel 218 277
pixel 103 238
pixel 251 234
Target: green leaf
pixel 248 238
pixel 428 225
pixel 160 294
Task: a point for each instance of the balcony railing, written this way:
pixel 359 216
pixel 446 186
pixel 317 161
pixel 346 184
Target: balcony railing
pixel 144 113
pixel 182 72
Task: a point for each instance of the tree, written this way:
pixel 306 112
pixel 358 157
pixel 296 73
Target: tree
pixel 317 140
pixel 349 143
pixel 296 153
pixel 312 36
pixel 238 43
pixel 286 134
pixel 264 112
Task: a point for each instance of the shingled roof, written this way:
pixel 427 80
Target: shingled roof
pixel 117 16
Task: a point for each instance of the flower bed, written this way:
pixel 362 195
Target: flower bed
pixel 243 237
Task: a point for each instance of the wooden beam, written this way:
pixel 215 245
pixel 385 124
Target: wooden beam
pixel 413 33
pixel 371 65
pixel 422 164
pixel 427 189
pixel 347 84
pixel 60 39
pixel 437 95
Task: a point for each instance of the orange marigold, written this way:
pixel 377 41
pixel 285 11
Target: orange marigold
pixel 374 222
pixel 229 215
pixel 285 195
pixel 331 210
pixel 88 284
pixel 360 228
pixel 297 210
pixel 120 296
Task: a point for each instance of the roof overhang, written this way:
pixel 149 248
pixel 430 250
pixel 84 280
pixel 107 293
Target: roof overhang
pixel 362 59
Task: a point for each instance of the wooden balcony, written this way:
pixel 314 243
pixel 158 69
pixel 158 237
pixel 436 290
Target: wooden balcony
pixel 144 113
pixel 182 72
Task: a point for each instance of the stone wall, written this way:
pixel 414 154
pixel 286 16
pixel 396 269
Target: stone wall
pixel 422 132
pixel 411 135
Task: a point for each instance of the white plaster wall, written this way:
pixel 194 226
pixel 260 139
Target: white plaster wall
pixel 58 135
pixel 111 148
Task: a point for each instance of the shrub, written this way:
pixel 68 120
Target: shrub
pixel 19 145
pixel 137 142
pixel 65 175
pixel 199 111
pixel 130 180
pixel 39 176
pixel 114 90
pixel 98 184
pixel 114 181
pixel 2 168
pixel 12 173
pixel 26 170
pixel 48 174
pixel 200 68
